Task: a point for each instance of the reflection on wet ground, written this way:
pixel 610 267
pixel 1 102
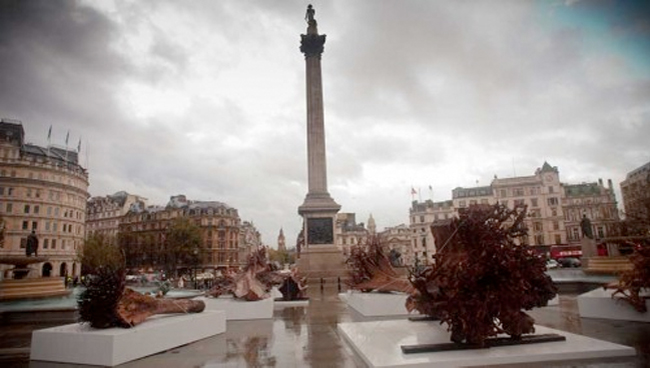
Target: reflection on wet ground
pixel 308 337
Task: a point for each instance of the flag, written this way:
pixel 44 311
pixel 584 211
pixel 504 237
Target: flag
pixel 66 138
pixel 413 191
pixel 49 133
pixel 430 187
pixel 79 145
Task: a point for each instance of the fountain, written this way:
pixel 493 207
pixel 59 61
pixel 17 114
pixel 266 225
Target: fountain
pixel 23 287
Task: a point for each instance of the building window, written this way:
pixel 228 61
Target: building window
pixel 461 204
pixel 520 202
pixel 556 225
pixel 46 243
pixel 34 225
pixel 518 192
pixel 538 226
pixel 26 208
pixel 56 211
pixel 554 212
pixel 576 234
pixel 472 202
pixel 23 243
pixel 558 239
pixel 47 226
pixel 550 189
pixel 503 193
pixel 25 225
pixel 539 239
pixel 533 202
pixel 36 209
pixel 49 210
pixel 10 207
pixel 29 192
pixel 553 201
pixel 601 232
pixel 484 201
pixel 421 218
pixel 53 243
pixel 10 191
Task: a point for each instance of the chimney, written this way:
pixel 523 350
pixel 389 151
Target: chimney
pixel 600 182
pixel 609 184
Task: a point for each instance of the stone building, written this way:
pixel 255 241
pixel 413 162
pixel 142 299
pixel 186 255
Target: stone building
pixel 423 215
pixel 42 189
pixel 636 194
pixel 594 201
pixel 249 240
pixel 221 229
pixel 399 238
pixel 348 232
pixel 554 208
pixel 103 214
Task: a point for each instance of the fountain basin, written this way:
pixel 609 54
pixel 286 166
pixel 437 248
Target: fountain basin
pixel 42 287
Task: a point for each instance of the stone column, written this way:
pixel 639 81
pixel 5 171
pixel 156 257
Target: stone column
pixel 318 209
pixel 320 258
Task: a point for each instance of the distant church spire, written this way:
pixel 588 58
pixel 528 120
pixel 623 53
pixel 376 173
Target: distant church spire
pixel 281 241
pixel 372 227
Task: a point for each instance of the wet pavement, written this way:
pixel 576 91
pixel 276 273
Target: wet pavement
pixel 308 337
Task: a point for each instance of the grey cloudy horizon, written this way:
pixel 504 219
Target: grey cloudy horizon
pixel 207 98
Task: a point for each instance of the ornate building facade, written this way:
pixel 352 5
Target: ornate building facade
pixel 103 214
pixel 42 189
pixel 249 240
pixel 220 226
pixel 347 232
pixel 636 194
pixel 554 209
pixel 399 238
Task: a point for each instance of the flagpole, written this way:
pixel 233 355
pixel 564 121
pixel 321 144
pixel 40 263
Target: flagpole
pixel 67 136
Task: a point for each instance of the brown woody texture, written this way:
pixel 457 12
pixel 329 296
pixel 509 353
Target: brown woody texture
pixel 631 283
pixel 481 278
pixel 370 269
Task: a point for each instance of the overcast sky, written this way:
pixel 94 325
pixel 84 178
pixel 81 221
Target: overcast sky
pixel 207 98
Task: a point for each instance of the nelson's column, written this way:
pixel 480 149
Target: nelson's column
pixel 320 257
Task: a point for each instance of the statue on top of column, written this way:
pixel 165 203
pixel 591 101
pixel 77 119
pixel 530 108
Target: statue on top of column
pixel 309 16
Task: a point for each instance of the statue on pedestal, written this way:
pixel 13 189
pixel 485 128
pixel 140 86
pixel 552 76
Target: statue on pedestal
pixel 585 225
pixel 32 244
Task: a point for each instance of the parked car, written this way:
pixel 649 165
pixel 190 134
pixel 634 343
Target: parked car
pixel 551 263
pixel 569 262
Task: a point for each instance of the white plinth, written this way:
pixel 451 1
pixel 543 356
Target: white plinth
pixel 240 309
pixel 280 304
pixel 378 343
pixel 81 344
pixel 598 303
pixel 378 304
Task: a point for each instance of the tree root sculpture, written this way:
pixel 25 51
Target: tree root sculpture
pixel 481 278
pixel 370 269
pixel 632 282
pixel 107 303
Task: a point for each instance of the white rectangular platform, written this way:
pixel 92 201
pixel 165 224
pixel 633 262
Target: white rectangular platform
pixel 240 309
pixel 599 303
pixel 81 344
pixel 378 304
pixel 379 343
pixel 280 304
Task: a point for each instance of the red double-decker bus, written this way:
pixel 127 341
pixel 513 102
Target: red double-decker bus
pixel 561 251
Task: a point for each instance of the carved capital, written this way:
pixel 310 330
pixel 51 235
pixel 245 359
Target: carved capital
pixel 312 44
